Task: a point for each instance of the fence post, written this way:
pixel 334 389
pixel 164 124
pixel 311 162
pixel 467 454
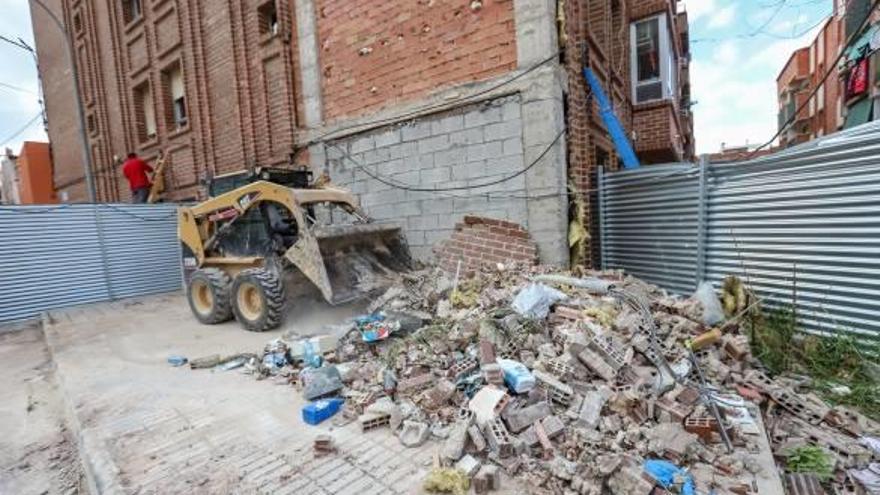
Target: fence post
pixel 700 270
pixel 600 192
pixel 102 246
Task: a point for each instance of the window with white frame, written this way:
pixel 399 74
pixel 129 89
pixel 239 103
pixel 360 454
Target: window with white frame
pixel 654 65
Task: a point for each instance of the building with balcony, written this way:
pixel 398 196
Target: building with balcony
pixel 801 75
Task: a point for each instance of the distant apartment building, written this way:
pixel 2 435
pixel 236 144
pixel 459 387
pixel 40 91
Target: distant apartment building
pixel 427 94
pixel 730 154
pixel 9 179
pixel 799 77
pixel 850 95
pixel 860 67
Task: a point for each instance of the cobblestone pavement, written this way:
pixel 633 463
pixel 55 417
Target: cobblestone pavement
pixel 146 427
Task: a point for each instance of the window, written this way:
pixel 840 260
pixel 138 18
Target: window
pixel 174 95
pixel 145 112
pixel 654 64
pixel 131 10
pixel 268 19
pixel 77 23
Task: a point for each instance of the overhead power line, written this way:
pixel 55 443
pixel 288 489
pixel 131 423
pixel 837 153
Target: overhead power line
pixel 406 187
pixel 24 128
pixel 831 67
pixel 761 31
pixel 16 88
pixel 439 106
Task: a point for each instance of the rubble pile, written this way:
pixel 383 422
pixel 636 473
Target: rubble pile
pixel 592 384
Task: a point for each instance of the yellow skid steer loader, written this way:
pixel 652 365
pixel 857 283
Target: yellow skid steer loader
pixel 266 233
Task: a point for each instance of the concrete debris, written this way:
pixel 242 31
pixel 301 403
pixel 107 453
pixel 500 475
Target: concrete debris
pixel 569 385
pixel 518 419
pixel 453 447
pixel 477 438
pixel 413 434
pixel 591 408
pixel 324 445
pixel 321 381
pixel 468 465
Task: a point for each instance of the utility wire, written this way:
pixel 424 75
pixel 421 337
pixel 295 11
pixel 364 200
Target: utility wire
pixel 16 88
pixel 397 185
pixel 761 31
pixel 831 67
pixel 19 43
pixel 415 113
pixel 20 131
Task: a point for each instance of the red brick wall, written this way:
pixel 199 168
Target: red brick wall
pixel 603 29
pixel 646 8
pixel 798 65
pixel 479 241
pixel 239 85
pixel 376 53
pixel 657 132
pixel 59 95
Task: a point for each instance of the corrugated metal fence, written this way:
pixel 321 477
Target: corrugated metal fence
pixel 802 226
pixel 57 256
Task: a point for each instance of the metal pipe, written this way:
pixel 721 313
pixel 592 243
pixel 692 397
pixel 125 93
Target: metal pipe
pixel 710 401
pixel 80 114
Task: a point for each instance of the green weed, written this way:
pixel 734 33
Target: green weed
pixel 810 459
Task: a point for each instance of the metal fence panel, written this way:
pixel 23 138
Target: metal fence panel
pixel 802 226
pixel 57 256
pixel 649 223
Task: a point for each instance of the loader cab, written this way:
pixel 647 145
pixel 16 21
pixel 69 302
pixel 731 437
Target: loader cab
pixel 264 230
pixel 294 179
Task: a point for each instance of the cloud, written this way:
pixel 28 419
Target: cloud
pixel 698 8
pixel 734 85
pixel 723 17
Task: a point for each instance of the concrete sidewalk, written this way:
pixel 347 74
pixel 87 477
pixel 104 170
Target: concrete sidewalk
pixel 146 427
pixel 37 452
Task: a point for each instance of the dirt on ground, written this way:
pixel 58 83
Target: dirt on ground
pixel 38 454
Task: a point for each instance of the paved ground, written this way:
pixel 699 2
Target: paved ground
pixel 146 427
pixel 37 452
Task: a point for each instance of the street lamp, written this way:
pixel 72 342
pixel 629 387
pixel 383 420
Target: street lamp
pixel 80 114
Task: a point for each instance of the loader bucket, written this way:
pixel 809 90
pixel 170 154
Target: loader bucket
pixel 362 260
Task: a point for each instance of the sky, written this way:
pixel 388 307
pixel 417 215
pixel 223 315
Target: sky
pixel 738 48
pixel 18 106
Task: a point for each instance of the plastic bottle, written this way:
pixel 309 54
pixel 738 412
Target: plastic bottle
pixel 517 377
pixel 310 357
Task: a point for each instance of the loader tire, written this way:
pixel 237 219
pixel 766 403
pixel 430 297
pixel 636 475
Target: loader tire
pixel 208 295
pixel 258 299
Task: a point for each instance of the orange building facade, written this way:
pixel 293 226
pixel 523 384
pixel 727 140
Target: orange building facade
pixel 35 174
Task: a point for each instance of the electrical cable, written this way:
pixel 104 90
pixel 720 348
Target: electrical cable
pixel 18 44
pixel 20 131
pixel 446 104
pixel 16 88
pixel 831 67
pixel 822 19
pixel 390 182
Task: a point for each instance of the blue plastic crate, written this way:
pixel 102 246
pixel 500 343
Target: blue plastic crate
pixel 316 412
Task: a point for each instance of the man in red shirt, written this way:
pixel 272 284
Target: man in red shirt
pixel 135 170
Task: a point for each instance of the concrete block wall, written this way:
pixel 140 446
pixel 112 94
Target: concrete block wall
pixel 464 147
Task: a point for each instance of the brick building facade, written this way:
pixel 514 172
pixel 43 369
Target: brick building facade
pixel 801 74
pixel 483 99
